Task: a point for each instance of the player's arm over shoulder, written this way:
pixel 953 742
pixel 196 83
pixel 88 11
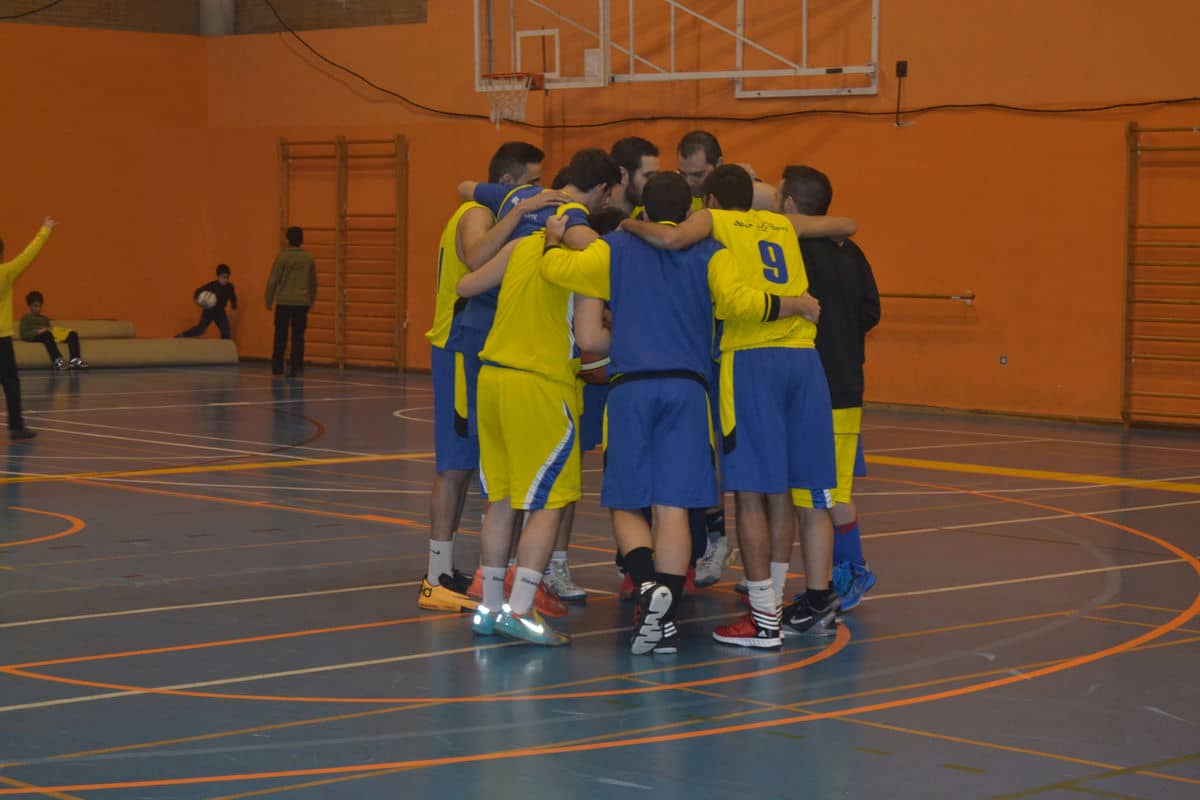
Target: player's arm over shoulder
pixel 696 228
pixel 822 227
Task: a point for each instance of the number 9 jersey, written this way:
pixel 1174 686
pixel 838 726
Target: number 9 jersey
pixel 767 253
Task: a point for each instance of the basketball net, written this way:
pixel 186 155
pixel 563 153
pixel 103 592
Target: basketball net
pixel 508 94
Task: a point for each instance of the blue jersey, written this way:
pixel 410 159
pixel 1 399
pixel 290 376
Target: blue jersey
pixel 475 322
pixel 663 302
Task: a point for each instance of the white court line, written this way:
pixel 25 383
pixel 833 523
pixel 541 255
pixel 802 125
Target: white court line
pixel 294 401
pixel 208 438
pixel 28 456
pixel 1043 518
pixel 875 450
pixel 402 413
pixel 587 634
pixel 211 604
pixel 244 600
pixel 227 450
pixel 305 489
pixel 1009 581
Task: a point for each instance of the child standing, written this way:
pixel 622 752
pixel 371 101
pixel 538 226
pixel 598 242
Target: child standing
pixel 36 327
pixel 225 293
pixel 9 272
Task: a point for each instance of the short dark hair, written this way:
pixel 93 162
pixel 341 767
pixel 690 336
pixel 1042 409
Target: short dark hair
pixel 732 186
pixel 295 236
pixel 667 197
pixel 809 189
pixel 700 140
pixel 628 152
pixel 222 269
pixel 606 220
pixel 511 157
pixel 591 168
pixel 561 178
pixel 34 297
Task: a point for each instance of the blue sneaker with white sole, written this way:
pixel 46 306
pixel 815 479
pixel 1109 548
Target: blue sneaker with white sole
pixel 851 581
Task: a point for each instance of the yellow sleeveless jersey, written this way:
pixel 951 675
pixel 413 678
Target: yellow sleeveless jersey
pixel 450 270
pixel 532 331
pixel 767 253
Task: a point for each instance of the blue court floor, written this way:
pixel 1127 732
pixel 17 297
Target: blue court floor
pixel 208 584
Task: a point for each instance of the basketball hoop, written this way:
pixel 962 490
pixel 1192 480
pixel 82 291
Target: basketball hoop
pixel 508 92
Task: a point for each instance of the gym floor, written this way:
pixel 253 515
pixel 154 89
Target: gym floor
pixel 208 590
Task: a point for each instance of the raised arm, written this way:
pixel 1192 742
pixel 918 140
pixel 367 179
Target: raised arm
pixel 26 257
pixel 584 272
pixel 489 275
pixel 466 190
pixel 695 228
pixel 477 253
pixel 822 227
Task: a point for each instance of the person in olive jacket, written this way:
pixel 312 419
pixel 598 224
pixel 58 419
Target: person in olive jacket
pixel 291 289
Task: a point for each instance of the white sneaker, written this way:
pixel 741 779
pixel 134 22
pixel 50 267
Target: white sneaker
pixel 558 578
pixel 718 555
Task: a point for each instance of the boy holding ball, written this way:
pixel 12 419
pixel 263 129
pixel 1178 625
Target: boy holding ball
pixel 212 297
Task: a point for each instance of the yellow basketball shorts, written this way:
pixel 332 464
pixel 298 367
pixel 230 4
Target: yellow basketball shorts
pixel 847 426
pixel 528 439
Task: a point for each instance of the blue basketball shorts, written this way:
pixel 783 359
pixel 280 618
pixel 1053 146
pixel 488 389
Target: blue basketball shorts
pixel 777 423
pixel 659 449
pixel 591 421
pixel 454 445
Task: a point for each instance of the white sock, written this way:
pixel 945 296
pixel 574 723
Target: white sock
pixel 441 560
pixel 762 603
pixel 493 587
pixel 558 557
pixel 779 571
pixel 524 588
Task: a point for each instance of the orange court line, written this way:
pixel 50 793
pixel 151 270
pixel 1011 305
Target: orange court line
pixel 226 642
pixel 838 644
pixel 1191 611
pixel 37 789
pixel 257 504
pixel 1035 474
pixel 76 526
pixel 253 466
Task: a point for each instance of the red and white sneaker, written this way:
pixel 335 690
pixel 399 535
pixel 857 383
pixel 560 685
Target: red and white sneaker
pixel 749 631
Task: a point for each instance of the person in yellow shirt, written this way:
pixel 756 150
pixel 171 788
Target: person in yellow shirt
pixel 527 407
pixel 9 272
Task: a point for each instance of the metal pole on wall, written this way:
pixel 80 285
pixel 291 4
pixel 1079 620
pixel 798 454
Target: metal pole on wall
pixel 341 294
pixel 401 244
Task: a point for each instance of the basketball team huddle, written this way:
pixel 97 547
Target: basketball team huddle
pixel 703 328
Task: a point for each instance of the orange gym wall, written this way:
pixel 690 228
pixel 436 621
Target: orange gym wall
pixel 105 131
pixel 1026 210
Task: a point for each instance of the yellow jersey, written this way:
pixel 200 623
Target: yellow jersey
pixel 767 253
pixel 533 327
pixel 450 270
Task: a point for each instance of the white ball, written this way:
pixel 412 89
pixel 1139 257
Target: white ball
pixel 206 299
